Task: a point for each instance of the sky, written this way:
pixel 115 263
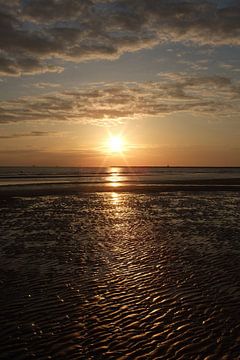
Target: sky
pixel 162 75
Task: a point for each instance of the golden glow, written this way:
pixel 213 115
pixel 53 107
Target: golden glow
pixel 116 144
pixel 115 198
pixel 113 178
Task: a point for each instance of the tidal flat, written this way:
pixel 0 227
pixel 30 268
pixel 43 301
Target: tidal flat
pixel 120 275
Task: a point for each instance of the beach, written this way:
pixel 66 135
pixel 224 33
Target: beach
pixel 119 180
pixel 121 274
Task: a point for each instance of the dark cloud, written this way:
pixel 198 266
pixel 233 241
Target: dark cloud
pixel 15 66
pixel 106 103
pixel 34 31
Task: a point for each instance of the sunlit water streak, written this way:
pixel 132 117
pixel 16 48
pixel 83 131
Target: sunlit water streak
pixel 120 276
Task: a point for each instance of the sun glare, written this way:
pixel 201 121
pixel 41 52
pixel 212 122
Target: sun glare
pixel 116 144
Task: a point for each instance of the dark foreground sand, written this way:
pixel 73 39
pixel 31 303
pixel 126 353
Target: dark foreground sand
pixel 120 276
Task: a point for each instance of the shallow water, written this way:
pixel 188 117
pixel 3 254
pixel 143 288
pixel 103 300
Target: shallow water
pixel 121 276
pixel 113 175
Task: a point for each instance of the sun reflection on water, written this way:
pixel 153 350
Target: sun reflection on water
pixel 115 198
pixel 114 178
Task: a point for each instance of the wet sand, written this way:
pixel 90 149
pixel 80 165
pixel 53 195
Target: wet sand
pixel 58 188
pixel 120 275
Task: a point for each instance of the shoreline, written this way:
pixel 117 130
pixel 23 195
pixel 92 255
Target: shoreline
pixel 31 190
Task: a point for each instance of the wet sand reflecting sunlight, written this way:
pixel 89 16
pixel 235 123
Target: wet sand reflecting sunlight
pixel 121 276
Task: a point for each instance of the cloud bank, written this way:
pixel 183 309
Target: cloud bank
pixel 114 102
pixel 34 32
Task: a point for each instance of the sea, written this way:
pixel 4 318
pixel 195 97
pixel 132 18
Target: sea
pixel 113 175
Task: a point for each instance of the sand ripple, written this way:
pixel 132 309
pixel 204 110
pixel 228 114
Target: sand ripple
pixel 120 276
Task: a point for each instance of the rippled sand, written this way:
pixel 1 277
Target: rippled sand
pixel 121 276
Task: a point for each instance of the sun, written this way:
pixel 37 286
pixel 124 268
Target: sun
pixel 116 144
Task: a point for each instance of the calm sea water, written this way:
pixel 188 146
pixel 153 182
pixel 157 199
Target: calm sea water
pixel 139 175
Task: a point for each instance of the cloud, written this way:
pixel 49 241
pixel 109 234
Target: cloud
pixel 21 64
pixel 114 102
pixel 44 85
pixel 200 65
pixel 34 32
pixel 230 67
pixel 31 134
